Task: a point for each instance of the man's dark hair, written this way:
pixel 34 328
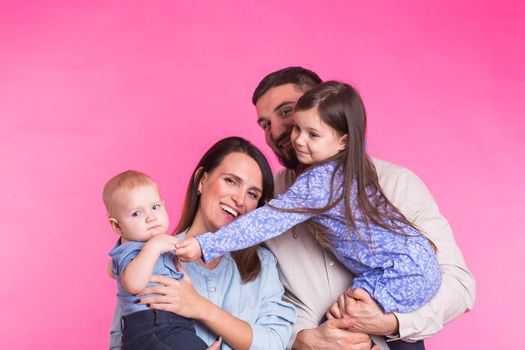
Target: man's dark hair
pixel 302 78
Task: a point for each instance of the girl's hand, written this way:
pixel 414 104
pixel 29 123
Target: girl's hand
pixel 177 296
pixel 188 250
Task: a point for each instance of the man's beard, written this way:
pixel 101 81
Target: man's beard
pixel 289 161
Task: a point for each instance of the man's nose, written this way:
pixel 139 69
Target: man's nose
pixel 279 128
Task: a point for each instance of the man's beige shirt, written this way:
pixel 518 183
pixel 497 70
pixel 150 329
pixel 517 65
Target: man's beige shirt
pixel 314 278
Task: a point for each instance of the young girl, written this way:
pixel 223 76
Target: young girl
pixel 339 191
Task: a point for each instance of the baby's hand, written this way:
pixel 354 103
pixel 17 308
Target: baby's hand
pixel 188 250
pixel 162 243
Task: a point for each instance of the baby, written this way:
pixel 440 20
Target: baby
pixel 136 212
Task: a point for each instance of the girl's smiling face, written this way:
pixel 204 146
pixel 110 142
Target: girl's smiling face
pixel 313 139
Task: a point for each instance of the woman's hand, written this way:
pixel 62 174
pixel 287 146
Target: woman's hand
pixel 177 296
pixel 180 297
pixel 216 345
pixel 188 249
pixel 363 312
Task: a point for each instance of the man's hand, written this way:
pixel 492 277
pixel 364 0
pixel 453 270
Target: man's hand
pixel 188 250
pixel 364 313
pixel 332 335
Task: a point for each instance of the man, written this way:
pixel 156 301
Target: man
pixel 312 276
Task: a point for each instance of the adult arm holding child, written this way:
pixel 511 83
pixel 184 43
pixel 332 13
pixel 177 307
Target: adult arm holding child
pixel 311 275
pixel 181 298
pixel 456 294
pixel 237 296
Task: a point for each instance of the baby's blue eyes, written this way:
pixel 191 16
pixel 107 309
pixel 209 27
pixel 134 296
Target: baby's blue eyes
pixel 138 213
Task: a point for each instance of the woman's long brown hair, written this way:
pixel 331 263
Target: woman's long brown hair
pixel 247 260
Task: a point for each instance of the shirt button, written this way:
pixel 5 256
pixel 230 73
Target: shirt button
pixel 212 289
pixel 331 263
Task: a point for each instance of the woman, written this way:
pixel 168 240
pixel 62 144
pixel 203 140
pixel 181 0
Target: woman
pixel 239 295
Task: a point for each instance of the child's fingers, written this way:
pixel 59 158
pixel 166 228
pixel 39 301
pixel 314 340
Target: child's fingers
pixel 184 255
pixel 188 250
pixel 182 244
pixel 181 252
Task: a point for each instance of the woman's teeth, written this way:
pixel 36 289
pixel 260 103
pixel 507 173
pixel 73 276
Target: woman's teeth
pixel 229 210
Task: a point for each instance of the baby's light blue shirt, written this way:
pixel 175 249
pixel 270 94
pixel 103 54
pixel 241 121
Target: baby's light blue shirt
pixel 258 302
pixel 121 256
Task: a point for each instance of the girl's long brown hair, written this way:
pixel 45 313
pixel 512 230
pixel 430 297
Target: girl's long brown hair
pixel 340 106
pixel 247 260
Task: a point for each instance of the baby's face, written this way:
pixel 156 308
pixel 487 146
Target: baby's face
pixel 140 213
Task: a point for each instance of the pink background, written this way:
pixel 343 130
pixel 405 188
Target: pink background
pixel 91 88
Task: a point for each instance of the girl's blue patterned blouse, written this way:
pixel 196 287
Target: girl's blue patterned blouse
pixel 400 272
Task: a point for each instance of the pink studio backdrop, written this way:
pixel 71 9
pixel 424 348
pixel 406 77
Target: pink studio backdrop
pixel 91 88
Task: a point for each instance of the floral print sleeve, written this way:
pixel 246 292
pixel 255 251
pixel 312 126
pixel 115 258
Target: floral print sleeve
pixel 400 271
pixel 308 191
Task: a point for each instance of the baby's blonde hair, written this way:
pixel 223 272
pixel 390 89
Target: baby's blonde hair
pixel 128 180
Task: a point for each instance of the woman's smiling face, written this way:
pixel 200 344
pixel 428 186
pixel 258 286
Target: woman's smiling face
pixel 231 189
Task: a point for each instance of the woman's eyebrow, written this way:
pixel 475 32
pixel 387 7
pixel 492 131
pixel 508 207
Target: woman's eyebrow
pixel 234 176
pixel 253 188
